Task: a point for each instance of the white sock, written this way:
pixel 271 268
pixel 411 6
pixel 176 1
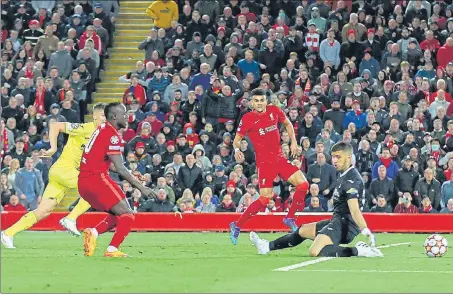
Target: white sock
pixel 112 249
pixel 95 232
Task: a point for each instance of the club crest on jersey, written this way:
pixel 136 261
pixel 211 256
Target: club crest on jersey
pixel 114 140
pixel 271 115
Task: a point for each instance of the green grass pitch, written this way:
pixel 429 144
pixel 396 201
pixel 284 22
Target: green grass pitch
pixel 208 262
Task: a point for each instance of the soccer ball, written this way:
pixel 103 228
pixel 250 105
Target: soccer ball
pixel 436 246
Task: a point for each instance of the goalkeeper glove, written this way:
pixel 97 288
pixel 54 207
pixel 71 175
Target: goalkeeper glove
pixel 371 238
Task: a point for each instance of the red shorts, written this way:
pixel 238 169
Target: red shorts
pixel 100 191
pixel 268 171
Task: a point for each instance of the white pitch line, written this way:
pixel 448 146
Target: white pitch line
pixel 373 271
pixel 322 259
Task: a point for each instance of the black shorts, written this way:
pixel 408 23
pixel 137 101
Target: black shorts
pixel 340 229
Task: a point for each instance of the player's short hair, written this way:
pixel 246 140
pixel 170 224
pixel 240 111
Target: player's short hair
pixel 342 146
pixel 258 92
pixel 99 106
pixel 108 109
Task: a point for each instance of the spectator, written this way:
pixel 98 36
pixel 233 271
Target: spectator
pixel 160 204
pixel 176 90
pixel 163 13
pixel 381 205
pixel 5 190
pixel 382 185
pixel 62 60
pixel 29 185
pixel 426 206
pixel 322 174
pixel 227 205
pixel 136 200
pixel 405 205
pixel 230 189
pixel 430 187
pixel 47 42
pixel 388 163
pixel 152 43
pixel 314 205
pixel 206 205
pixel 406 178
pixel 190 176
pixel 11 171
pixel 329 50
pixel 162 184
pixel 14 205
pixel 355 116
pixel 449 207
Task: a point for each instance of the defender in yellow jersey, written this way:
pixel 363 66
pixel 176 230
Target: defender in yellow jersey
pixel 63 176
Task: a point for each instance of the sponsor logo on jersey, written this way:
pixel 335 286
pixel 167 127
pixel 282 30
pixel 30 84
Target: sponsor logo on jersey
pixel 352 191
pixel 263 131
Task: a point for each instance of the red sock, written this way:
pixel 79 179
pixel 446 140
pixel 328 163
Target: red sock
pixel 253 209
pixel 298 199
pixel 123 228
pixel 106 225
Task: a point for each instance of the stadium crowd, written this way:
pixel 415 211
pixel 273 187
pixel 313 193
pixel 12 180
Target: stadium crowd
pixel 377 74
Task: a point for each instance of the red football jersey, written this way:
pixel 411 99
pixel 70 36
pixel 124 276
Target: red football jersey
pixel 262 129
pixel 103 142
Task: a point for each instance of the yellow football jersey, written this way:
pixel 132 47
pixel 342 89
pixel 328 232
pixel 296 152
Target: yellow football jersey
pixel 79 134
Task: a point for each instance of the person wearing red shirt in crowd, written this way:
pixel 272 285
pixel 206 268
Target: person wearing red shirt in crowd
pixel 174 110
pixel 91 34
pixel 128 133
pixel 445 53
pixel 441 85
pixel 430 43
pixel 405 204
pixel 192 137
pixel 281 24
pixel 14 205
pixel 138 91
pixel 246 12
pixel 41 98
pixel 156 125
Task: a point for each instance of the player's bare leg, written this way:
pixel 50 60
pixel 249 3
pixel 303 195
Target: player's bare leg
pixel 43 210
pixel 124 219
pixel 256 206
pixel 307 231
pixel 301 184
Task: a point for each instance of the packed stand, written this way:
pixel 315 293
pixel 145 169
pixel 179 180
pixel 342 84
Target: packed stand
pixel 377 74
pixel 51 55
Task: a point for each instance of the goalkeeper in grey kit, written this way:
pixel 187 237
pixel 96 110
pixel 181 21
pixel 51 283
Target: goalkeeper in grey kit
pixel 346 223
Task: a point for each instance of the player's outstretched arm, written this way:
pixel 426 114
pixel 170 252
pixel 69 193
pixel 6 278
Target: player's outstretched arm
pixel 358 218
pixel 55 129
pixel 117 161
pixel 236 145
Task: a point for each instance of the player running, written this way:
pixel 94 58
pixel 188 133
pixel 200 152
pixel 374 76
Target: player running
pixel 261 125
pixel 63 176
pixel 346 223
pixel 100 190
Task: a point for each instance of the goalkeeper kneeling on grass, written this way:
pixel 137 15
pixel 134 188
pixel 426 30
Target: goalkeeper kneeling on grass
pixel 346 223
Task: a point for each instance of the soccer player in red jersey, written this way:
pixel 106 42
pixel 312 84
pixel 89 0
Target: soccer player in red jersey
pixel 103 152
pixel 261 125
